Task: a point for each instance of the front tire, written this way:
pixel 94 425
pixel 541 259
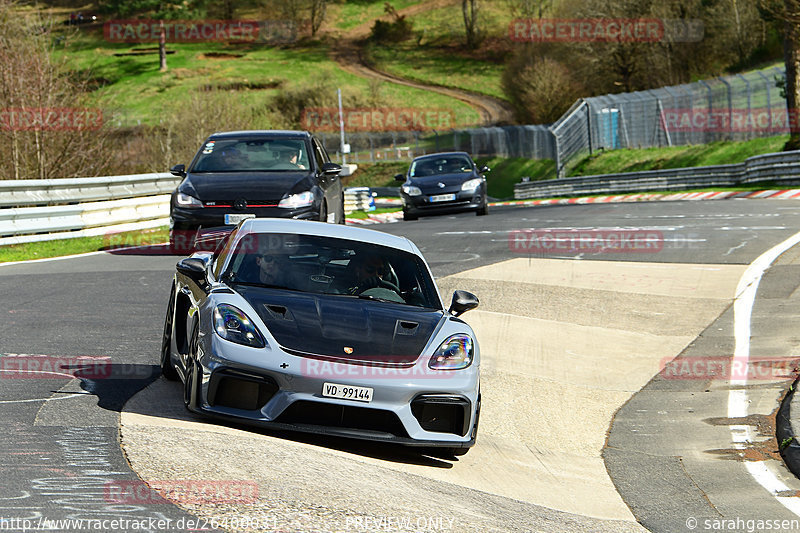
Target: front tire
pixel 342 216
pixel 167 369
pixel 190 389
pixel 408 216
pixel 484 209
pixel 323 212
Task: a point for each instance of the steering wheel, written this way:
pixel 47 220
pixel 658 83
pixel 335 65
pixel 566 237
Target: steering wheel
pixel 372 283
pixel 388 285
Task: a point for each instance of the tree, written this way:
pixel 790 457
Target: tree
pixel 158 10
pixel 791 58
pixel 528 9
pixel 46 128
pixel 470 10
pixel 787 13
pixel 318 8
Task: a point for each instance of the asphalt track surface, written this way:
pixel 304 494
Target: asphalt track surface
pixel 668 450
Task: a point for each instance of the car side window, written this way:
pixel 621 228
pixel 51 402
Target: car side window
pixel 221 254
pixel 319 154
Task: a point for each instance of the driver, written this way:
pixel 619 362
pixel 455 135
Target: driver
pixel 290 156
pixel 369 271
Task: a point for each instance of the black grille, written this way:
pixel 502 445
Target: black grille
pixel 342 416
pixel 442 413
pixel 240 390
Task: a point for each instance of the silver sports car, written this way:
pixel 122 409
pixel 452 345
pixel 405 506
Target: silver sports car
pixel 328 329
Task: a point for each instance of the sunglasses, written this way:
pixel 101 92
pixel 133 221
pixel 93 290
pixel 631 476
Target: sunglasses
pixel 267 258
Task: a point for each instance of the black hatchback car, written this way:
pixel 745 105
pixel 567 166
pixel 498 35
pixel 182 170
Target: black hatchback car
pixel 443 183
pixel 248 174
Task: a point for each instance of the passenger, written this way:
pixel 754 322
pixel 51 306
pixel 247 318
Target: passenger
pixel 273 269
pixel 232 159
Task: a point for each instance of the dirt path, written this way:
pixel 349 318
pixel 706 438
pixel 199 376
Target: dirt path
pixel 348 54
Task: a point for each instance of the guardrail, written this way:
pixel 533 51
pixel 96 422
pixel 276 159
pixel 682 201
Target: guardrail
pixel 42 210
pixel 783 167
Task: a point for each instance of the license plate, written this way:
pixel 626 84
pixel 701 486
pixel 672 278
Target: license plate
pixel 347 392
pixel 233 219
pixel 442 198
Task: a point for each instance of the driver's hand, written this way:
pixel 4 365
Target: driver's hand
pixel 365 284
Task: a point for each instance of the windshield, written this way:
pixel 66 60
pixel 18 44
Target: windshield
pixel 326 265
pixel 236 155
pixel 440 165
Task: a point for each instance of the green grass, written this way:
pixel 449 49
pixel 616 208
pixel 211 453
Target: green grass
pixel 58 248
pixel 376 174
pixel 366 214
pixel 435 53
pixel 133 86
pixel 446 24
pixel 719 153
pixel 506 172
pixel 438 66
pixel 351 14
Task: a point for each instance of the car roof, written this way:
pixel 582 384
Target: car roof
pixel 308 227
pixel 287 134
pixel 440 154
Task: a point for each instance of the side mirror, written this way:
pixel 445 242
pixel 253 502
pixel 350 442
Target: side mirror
pixel 193 268
pixel 483 169
pixel 331 168
pixel 463 301
pixel 178 170
pixel 399 177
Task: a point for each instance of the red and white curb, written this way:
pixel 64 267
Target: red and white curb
pixel 785 194
pixel 777 194
pixel 380 218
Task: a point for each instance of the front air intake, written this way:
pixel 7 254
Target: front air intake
pixel 240 390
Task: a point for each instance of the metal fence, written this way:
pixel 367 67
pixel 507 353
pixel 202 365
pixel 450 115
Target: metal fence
pixel 731 108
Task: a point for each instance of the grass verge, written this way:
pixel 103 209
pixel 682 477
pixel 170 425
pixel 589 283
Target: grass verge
pixel 719 153
pixel 59 248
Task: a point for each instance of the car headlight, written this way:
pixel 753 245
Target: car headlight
pixel 471 185
pixel 232 324
pixel 184 200
pixel 455 353
pixel 411 190
pixel 293 201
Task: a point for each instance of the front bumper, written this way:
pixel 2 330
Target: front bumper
pixel 211 217
pixel 464 201
pixel 272 388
